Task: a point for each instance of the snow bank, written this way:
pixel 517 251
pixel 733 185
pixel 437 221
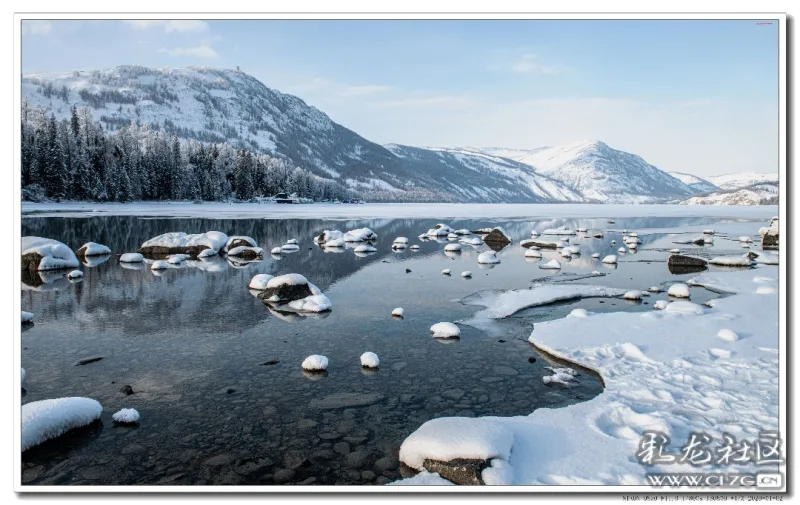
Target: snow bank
pixel 558 231
pixel 93 249
pixel 260 281
pixel 126 416
pixel 315 362
pixel 684 307
pixel 732 261
pixel 452 248
pixel 27 317
pixel 728 334
pixel 448 438
pixel 398 312
pixel 445 330
pixel 487 257
pixel 370 360
pixel 131 258
pixel 46 419
pixel 500 304
pixel 360 235
pixel 678 291
pixel 46 254
pixel 551 265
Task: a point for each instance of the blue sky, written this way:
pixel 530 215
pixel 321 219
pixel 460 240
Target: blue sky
pixel 691 96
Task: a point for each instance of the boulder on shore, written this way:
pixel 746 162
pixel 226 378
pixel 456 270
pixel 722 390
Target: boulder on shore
pixel 680 264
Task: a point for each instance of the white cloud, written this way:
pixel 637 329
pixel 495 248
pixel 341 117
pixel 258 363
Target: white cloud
pixel 204 52
pixel 365 89
pixel 530 63
pixel 36 27
pixel 169 25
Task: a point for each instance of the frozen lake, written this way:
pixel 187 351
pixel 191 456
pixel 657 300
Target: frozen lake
pixel 193 342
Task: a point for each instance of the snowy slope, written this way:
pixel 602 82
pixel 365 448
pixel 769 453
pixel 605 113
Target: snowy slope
pixel 467 168
pixel 607 175
pixel 741 180
pixel 213 105
pixel 757 194
pixel 696 183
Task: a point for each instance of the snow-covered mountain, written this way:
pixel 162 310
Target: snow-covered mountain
pixel 757 194
pixel 473 167
pixel 213 105
pixel 600 173
pixel 742 180
pixel 696 183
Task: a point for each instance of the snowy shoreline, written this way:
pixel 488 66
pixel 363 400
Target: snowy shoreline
pixel 387 210
pixel 675 372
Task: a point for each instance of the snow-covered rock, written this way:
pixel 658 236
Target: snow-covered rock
pixel 131 258
pixel 27 317
pixel 328 235
pixel 579 313
pixel 684 307
pixel 177 259
pixel 313 303
pixel 488 258
pixel 475 241
pixel 126 416
pixel 446 271
pixel 365 248
pixel 445 330
pixel 732 261
pixel 239 241
pixel 159 265
pixel 46 419
pixel 182 243
pixel 40 254
pixel 360 235
pixel 660 304
pixel 728 334
pixel 276 251
pixel 440 230
pixel 678 291
pixel 632 295
pixel 675 251
pixel 452 248
pixel 611 259
pixel 207 253
pixel 596 256
pixel 655 289
pixel 533 253
pixel 621 250
pixel 92 249
pixel 551 265
pixel 259 281
pixel 315 363
pixel 398 312
pixel 370 360
pixel 246 252
pixel 745 239
pixel 466 274
pixel 75 274
pixel 566 253
pixel 289 248
pixel 447 439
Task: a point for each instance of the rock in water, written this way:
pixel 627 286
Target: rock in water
pixel 770 240
pixel 286 288
pixel 465 472
pixel 497 239
pixel 681 264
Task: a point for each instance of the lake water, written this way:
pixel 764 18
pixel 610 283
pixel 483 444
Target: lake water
pixel 193 344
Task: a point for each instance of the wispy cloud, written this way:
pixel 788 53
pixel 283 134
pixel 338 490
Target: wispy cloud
pixel 204 52
pixel 169 25
pixel 530 63
pixel 36 27
pixel 365 89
